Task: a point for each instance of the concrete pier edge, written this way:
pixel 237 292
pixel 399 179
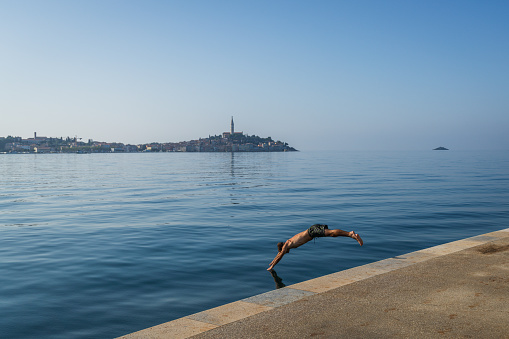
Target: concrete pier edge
pixel 209 319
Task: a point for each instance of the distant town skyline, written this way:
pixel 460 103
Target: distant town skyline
pixel 230 141
pixel 346 75
pixel 35 136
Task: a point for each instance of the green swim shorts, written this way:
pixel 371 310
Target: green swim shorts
pixel 317 230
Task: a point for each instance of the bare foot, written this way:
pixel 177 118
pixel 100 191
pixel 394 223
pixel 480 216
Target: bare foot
pixel 357 237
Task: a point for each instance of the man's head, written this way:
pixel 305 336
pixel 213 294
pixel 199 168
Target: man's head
pixel 280 246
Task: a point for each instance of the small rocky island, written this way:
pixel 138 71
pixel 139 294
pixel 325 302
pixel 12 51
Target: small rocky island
pixel 440 149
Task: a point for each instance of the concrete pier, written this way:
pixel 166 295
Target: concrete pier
pixel 455 290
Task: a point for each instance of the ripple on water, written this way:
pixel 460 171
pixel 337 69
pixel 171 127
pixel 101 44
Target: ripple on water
pixel 127 241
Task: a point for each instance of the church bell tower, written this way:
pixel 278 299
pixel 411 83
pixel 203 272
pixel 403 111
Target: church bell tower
pixel 231 127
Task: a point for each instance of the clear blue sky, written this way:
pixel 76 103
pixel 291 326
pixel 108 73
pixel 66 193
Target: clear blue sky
pixel 337 74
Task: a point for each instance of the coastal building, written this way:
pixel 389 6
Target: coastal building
pixel 232 131
pixel 35 140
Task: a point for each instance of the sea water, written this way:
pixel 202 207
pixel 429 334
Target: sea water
pixel 101 245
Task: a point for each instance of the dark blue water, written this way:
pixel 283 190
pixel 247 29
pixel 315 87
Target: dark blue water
pixel 101 245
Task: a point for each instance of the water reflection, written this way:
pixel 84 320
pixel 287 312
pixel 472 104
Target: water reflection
pixel 277 280
pixel 232 166
pixel 233 183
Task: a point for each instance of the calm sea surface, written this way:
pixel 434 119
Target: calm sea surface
pixel 101 245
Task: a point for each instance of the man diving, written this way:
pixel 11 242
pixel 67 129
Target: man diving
pixel 315 231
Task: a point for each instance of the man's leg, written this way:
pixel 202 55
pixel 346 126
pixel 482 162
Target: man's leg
pixel 341 233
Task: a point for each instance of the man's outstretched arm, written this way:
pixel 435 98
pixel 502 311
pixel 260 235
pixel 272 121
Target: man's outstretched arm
pixel 279 256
